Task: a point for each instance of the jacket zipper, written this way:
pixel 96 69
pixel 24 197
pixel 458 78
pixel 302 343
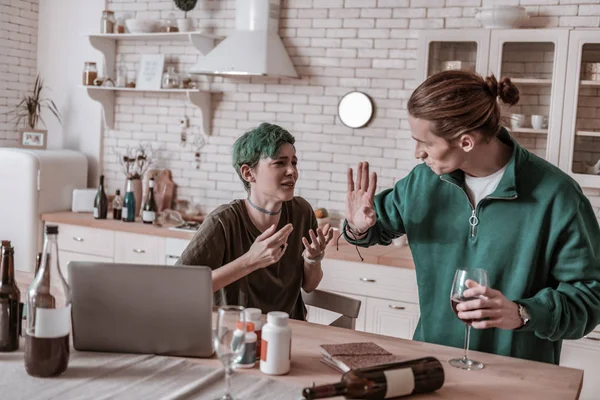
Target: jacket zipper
pixel 473 219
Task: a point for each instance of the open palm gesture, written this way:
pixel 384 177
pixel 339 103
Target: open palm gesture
pixel 360 211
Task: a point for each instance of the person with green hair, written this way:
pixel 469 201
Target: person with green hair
pixel 265 248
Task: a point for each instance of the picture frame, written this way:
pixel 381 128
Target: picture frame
pixel 150 72
pixel 33 138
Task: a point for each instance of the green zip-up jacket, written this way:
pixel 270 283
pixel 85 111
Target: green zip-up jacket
pixel 536 235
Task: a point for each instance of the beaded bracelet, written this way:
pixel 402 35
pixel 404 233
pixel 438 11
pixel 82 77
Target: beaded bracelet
pixel 312 261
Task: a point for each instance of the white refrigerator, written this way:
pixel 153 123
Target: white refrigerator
pixel 33 182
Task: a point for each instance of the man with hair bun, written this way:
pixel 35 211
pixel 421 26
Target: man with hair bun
pixel 480 200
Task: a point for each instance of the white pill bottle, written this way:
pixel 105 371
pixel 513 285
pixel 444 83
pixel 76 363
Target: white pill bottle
pixel 276 345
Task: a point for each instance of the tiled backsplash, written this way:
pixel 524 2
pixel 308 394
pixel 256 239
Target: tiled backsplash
pixel 336 46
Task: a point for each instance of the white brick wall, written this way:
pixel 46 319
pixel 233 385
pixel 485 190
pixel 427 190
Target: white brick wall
pixel 337 46
pixel 18 59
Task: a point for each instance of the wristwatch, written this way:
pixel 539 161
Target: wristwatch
pixel 524 314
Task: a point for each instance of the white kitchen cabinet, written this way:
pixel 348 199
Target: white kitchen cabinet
pixel 584 354
pixel 326 317
pixel 389 296
pixel 534 59
pixel 580 140
pixel 139 249
pixel 85 240
pixel 65 257
pixel 391 318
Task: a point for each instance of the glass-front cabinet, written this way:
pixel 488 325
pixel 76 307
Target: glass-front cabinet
pixel 536 62
pixel 580 146
pixel 534 59
pixel 443 49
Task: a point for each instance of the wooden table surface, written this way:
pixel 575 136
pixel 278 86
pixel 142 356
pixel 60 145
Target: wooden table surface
pixel 502 377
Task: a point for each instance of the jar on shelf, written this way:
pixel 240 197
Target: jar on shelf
pixel 120 25
pixel 121 76
pixel 107 23
pixel 170 79
pixel 186 81
pixel 171 24
pixel 90 73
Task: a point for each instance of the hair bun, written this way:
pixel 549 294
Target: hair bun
pixel 508 92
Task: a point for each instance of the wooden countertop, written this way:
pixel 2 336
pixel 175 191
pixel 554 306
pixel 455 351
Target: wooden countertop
pixel 502 378
pixel 394 256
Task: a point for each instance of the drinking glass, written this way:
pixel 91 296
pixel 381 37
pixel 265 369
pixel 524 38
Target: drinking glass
pixel 228 341
pixel 459 285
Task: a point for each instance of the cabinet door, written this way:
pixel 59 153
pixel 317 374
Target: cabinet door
pixel 85 240
pixel 584 354
pixel 536 61
pixel 325 317
pixel 139 249
pixel 391 318
pixel 65 257
pixel 580 137
pixel 441 49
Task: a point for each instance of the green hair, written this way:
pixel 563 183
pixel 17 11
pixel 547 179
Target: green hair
pixel 261 142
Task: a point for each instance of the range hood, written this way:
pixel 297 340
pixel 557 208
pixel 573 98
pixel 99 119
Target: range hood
pixel 254 48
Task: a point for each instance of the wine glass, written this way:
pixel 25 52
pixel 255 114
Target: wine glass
pixel 459 285
pixel 228 341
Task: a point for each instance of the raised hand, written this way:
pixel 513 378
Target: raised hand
pixel 360 211
pixel 318 242
pixel 269 247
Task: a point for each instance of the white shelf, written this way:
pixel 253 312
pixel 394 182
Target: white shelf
pixel 106 44
pixel 124 89
pixel 106 97
pixel 183 36
pixel 589 83
pixel 531 81
pixel 530 130
pixel 587 133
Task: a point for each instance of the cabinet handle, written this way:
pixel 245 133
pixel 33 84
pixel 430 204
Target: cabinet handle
pixel 393 307
pixel 172 257
pixel 595 339
pixel 139 251
pixel 367 280
pixel 77 239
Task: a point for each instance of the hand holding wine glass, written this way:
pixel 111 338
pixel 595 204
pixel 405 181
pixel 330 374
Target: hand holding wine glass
pixel 464 279
pixel 360 209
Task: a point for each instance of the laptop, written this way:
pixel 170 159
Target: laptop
pixel 149 309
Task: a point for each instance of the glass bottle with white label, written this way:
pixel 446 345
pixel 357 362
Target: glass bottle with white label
pixel 388 381
pixel 48 315
pixel 149 210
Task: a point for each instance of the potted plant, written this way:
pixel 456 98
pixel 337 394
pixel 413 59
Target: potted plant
pixel 185 24
pixel 29 110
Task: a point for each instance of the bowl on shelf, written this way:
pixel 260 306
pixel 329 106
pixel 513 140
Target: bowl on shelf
pixel 142 25
pixel 504 17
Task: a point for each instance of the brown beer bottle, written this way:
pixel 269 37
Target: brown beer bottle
pixel 48 315
pixel 388 381
pixel 9 301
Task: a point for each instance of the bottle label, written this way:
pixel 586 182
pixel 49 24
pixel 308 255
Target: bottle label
pixel 148 216
pixel 124 212
pixel 249 356
pixel 52 322
pixel 258 343
pixel 400 382
pixel 263 350
pixel 96 212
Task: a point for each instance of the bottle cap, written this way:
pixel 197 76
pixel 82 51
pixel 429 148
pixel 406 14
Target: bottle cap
pixel 118 192
pixel 6 243
pixel 51 229
pixel 249 326
pixel 252 314
pixel 278 318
